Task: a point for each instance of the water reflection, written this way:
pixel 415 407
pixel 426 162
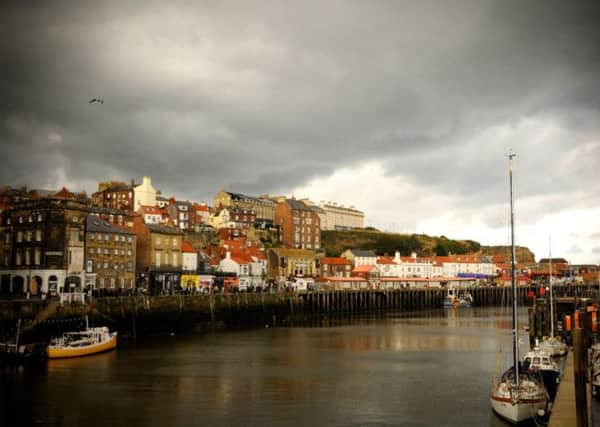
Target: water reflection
pixel 423 368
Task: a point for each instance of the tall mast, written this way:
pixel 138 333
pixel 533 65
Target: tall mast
pixel 550 280
pixel 512 271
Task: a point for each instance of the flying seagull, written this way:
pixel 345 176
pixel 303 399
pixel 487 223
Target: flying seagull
pixel 98 100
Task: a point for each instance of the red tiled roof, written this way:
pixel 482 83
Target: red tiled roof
pixel 363 269
pixel 241 258
pixel 335 261
pixel 341 279
pixel 154 210
pixel 64 193
pixel 187 247
pixel 385 260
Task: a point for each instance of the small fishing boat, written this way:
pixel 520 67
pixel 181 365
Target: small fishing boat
pixel 82 343
pixel 454 298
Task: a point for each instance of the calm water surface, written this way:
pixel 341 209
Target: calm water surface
pixel 415 369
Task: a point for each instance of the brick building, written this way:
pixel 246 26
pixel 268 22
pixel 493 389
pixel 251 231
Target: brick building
pixel 299 223
pixel 114 195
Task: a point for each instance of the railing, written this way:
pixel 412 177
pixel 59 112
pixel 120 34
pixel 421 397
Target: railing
pixel 72 297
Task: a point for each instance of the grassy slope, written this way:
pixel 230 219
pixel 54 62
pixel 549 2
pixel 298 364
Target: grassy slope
pixel 335 242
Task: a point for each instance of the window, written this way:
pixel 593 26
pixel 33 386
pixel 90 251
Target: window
pixel 30 218
pixel 117 237
pixel 7 238
pixel 39 217
pixel 157 260
pixel 6 259
pixel 90 266
pixel 112 282
pixel 157 241
pixel 130 266
pixel 8 221
pixel 106 237
pixel 91 251
pixel 18 258
pixel 105 265
pixel 129 252
pixel 27 256
pixel 92 236
pixel 106 251
pixel 74 236
pixel 38 235
pixel 19 236
pixel 75 218
pixel 116 252
pixel 129 239
pixel 20 220
pixel 174 242
pixel 102 282
pixel 28 236
pixel 174 255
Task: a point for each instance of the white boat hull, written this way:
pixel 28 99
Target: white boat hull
pixel 517 412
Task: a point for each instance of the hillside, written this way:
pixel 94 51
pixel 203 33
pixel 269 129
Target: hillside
pixel 523 254
pixel 335 242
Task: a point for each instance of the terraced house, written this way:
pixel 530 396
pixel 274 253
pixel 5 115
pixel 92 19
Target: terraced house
pixel 158 257
pixel 109 255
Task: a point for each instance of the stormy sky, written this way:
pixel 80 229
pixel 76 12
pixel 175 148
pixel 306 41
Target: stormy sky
pixel 404 109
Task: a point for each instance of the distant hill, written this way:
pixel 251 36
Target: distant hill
pixel 523 254
pixel 335 242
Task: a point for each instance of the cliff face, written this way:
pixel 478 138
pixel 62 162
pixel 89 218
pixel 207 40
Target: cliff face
pixel 523 254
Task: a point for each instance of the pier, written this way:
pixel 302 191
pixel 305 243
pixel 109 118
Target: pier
pixel 138 314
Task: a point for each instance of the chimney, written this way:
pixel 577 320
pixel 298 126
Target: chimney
pixel 397 259
pixel 228 255
pixel 413 255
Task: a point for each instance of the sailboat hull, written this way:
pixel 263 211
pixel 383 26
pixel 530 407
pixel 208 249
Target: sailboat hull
pixel 517 412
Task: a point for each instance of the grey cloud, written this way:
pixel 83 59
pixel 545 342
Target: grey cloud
pixel 261 96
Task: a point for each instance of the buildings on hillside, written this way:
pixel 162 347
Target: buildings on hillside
pixel 263 208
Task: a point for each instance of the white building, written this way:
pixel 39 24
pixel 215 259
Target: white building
pixel 144 194
pixel 360 257
pixel 190 257
pixel 340 217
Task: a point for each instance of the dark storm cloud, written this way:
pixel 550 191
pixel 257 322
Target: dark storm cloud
pixel 261 97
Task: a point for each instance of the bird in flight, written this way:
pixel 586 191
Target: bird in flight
pixel 98 100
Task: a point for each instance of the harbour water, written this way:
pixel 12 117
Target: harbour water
pixel 415 369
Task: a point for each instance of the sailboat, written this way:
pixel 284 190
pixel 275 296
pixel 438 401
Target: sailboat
pixel 518 395
pixel 552 344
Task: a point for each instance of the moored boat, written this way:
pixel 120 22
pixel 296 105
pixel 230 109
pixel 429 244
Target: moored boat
pixel 518 395
pixel 517 401
pixel 82 343
pixel 454 298
pixel 542 362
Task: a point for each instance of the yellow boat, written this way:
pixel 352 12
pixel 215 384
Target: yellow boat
pixel 82 343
